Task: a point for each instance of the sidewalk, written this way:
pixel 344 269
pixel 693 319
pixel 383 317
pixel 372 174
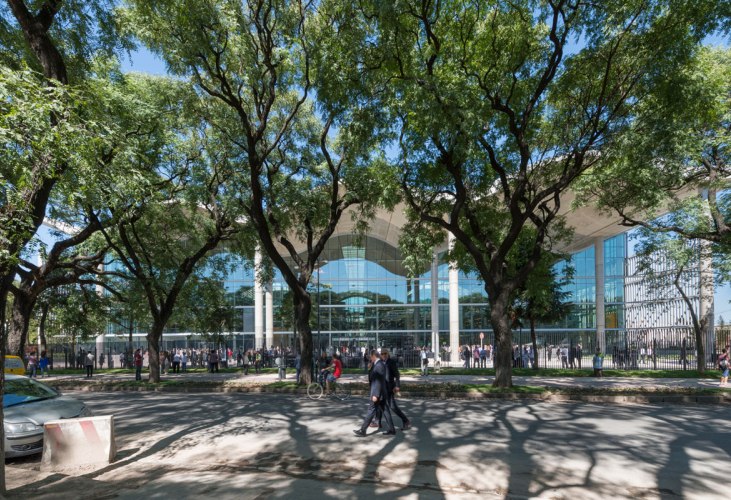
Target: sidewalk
pixel 612 383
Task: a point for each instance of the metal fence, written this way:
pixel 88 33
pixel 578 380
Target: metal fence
pixel 671 348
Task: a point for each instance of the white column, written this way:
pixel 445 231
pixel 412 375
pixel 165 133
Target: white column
pixel 99 341
pixel 599 293
pixel 258 302
pixel 435 302
pixel 453 304
pixel 269 305
pixel 706 297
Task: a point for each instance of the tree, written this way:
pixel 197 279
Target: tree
pixel 543 298
pixel 675 158
pixel 671 265
pixel 301 116
pixel 185 215
pixel 499 112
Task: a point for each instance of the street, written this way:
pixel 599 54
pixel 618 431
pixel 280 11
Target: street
pixel 281 446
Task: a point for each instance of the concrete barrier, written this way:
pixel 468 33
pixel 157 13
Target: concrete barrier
pixel 78 443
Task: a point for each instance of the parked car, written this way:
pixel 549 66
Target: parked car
pixel 14 365
pixel 27 405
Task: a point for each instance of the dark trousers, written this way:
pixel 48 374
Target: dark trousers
pixel 375 410
pixel 391 403
pixel 138 373
pixel 176 366
pixel 89 369
pixel 246 369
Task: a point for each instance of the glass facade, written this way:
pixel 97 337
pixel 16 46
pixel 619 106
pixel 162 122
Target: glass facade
pixel 363 297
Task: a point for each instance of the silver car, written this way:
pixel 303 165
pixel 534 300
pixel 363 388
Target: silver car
pixel 27 405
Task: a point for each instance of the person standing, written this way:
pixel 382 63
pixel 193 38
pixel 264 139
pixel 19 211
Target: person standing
pixel 176 362
pixel 257 362
pixel 43 364
pixel 184 361
pixel 246 362
pixel 466 356
pixel 377 378
pixel 724 362
pixel 138 365
pixel 297 367
pixel 281 368
pixel 89 363
pixel 579 354
pixel 394 386
pixel 424 363
pixel 32 364
pixel 598 363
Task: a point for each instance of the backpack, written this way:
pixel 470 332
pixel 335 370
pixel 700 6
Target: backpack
pixel 723 363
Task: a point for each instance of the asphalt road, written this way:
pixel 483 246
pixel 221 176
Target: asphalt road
pixel 279 446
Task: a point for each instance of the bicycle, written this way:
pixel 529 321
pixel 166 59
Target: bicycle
pixel 338 391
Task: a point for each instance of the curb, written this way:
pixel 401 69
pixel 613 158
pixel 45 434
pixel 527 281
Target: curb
pixel 439 395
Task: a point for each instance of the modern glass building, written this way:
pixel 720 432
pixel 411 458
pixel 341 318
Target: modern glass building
pixel 363 297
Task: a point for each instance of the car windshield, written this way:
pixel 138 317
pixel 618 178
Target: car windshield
pixel 25 390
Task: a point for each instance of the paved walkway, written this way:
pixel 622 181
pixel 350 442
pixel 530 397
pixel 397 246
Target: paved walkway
pixel 560 382
pixel 249 446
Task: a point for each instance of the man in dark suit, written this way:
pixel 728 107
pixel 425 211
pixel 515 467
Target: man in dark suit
pixel 378 379
pixel 394 386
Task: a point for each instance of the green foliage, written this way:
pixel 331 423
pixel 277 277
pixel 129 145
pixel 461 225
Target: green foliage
pixel 82 30
pixel 41 127
pixel 674 157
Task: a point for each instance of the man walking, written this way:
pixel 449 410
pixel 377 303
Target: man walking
pixel 394 386
pixel 378 380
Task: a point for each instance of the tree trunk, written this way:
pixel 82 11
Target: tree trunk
pixel 504 343
pixel 130 347
pixel 302 311
pixel 699 328
pixel 5 282
pixel 153 341
pixel 42 327
pixel 19 324
pixel 534 341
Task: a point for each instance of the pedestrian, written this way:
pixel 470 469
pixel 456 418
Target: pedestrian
pixel 213 361
pixel 466 356
pixel 257 362
pixel 377 378
pixel 43 364
pixel 246 361
pixel 572 357
pixel 297 367
pixel 176 362
pixel 598 363
pixel 476 357
pixel 282 369
pixel 89 363
pixel 101 360
pixel 424 363
pixel 138 365
pixel 579 354
pixel 184 361
pixel 564 357
pixel 483 357
pixel 394 387
pixel 723 365
pixel 32 364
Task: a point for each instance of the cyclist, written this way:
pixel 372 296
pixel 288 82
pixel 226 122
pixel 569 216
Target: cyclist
pixel 332 373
